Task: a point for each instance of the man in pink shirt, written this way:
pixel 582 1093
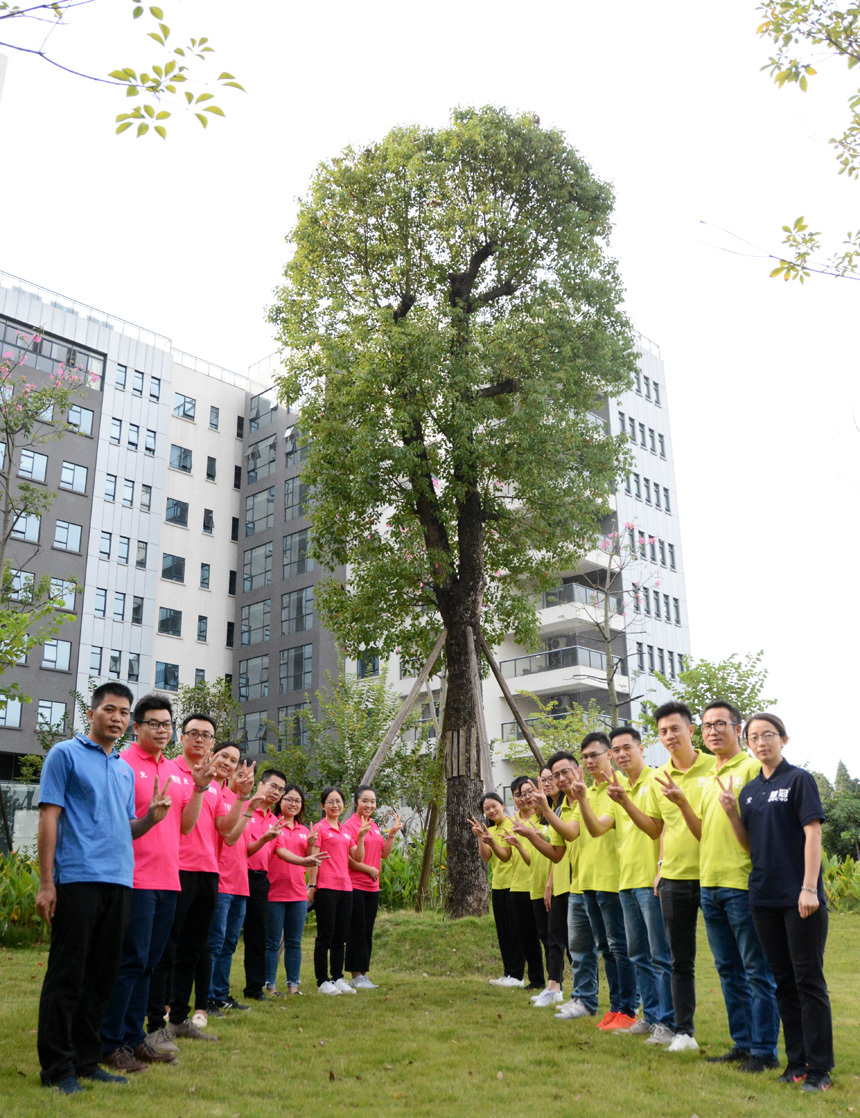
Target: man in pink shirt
pixel 257 912
pixel 156 885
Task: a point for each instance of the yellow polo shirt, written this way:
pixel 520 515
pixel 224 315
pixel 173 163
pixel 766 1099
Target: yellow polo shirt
pixel 561 870
pixel 522 871
pixel 540 864
pixel 723 862
pixel 501 872
pixel 680 848
pixel 637 853
pixel 598 857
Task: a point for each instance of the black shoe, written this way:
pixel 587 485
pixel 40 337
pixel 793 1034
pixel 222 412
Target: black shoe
pixel 261 997
pixel 733 1056
pixel 817 1081
pixel 214 1010
pixel 792 1075
pixel 756 1064
pixel 68 1085
pixel 534 986
pixel 231 1003
pixel 99 1075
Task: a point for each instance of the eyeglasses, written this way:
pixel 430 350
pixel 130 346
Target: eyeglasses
pixel 290 800
pixel 333 803
pixel 719 725
pixel 155 725
pixel 199 735
pixel 591 756
pixel 562 772
pixel 763 739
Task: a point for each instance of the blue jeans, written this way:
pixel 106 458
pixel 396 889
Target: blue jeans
pixel 223 938
pixel 749 989
pixel 287 917
pixel 607 923
pixel 649 953
pixel 582 953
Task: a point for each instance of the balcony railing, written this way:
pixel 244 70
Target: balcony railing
pixel 576 592
pixel 574 656
pixel 511 730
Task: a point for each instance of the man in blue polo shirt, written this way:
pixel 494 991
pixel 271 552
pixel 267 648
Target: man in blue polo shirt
pixel 86 826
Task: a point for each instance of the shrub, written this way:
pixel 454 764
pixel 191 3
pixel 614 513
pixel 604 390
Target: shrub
pixel 19 884
pixel 401 873
pixel 841 883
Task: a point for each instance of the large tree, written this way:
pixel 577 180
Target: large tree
pixel 449 317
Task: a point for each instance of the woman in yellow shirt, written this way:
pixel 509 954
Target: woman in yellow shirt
pixel 495 850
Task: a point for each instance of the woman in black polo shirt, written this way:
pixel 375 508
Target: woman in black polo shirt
pixel 780 824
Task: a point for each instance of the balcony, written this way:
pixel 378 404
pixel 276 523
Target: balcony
pixel 575 592
pixel 511 730
pixel 562 668
pixel 573 609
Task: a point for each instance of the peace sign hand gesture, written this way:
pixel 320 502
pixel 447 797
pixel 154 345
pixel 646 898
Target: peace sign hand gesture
pixel 364 828
pixel 671 790
pixel 577 784
pixel 727 797
pixel 615 790
pixel 159 803
pixel 243 780
pixel 203 771
pixel 480 830
pixel 522 828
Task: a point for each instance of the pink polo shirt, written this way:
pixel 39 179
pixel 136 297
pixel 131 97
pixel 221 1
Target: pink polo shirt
pixel 334 871
pixel 156 854
pixel 198 851
pixel 288 882
pixel 233 860
pixel 258 824
pixel 373 841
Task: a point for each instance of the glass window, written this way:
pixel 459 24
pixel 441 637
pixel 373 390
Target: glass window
pixel 666 503
pixel 661 661
pixel 133 435
pixel 173 567
pixel 137 610
pixel 237 477
pixel 652 440
pixel 57 655
pixel 657 500
pixel 170 622
pixel 367 667
pixel 81 420
pixel 177 512
pixel 10 715
pixel 650 657
pixel 647 485
pixel 254 678
pixel 259 511
pixel 671 548
pixel 199 675
pixel 67 537
pixel 208 521
pixel 33 466
pixel 295 453
pixel 666 613
pixel 262 459
pixel 115 663
pixel 110 487
pixel 205 572
pixel 663 553
pixel 166 676
pixel 642 434
pixel 257 567
pixel 95 661
pixel 133 667
pixel 124 549
pixel 263 408
pixel 145 498
pixel 296 668
pixel 662 443
pixel 211 468
pixel 74 477
pixel 657 605
pixel 202 627
pixel 637 485
pixel 295 498
pixel 254 730
pixel 231 583
pixel 297 560
pixel 137 383
pixel 240 427
pixel 27 528
pixel 128 493
pixel 646 594
pixel 184 406
pixel 22 586
pixel 297 611
pixel 116 431
pixel 652 548
pixel 50 713
pixel 105 541
pixel 100 607
pixel 657 394
pixel 671 665
pixel 256 619
pixel 121 376
pixel 180 458
pixel 291 716
pixel 677 606
pixel 231 634
pixel 234 528
pixel 647 381
pixel 214 418
pixel 149 444
pixel 63 591
pixel 155 388
pixel 118 606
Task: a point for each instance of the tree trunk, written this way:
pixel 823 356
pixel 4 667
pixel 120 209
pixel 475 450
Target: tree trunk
pixel 427 860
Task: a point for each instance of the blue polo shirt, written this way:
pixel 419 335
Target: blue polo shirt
pixel 96 792
pixel 775 810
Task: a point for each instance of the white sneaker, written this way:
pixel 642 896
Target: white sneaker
pixel 548 997
pixel 362 982
pixel 641 1028
pixel 343 986
pixel 573 1008
pixel 660 1034
pixel 200 1018
pixel 498 981
pixel 509 982
pixel 535 997
pixel 683 1042
pixel 330 988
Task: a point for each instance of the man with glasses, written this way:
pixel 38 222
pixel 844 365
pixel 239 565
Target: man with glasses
pixel 749 990
pixel 260 834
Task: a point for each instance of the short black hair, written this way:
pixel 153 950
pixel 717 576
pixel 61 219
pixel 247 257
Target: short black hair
pixel 595 735
pixel 673 707
pixel 519 781
pixel 151 702
pixel 737 717
pixel 118 689
pixel 199 716
pixel 620 731
pixel 269 773
pixel 559 755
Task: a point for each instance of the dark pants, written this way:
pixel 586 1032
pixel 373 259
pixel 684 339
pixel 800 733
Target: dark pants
pixel 557 938
pixel 795 951
pixel 524 921
pixel 86 949
pixel 333 908
pixel 510 946
pixel 152 912
pixel 359 944
pixel 680 902
pixel 254 933
pixel 177 969
pixel 541 918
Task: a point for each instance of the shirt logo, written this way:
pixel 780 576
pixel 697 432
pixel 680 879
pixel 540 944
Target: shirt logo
pixel 780 795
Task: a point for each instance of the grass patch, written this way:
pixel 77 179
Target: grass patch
pixel 435 1040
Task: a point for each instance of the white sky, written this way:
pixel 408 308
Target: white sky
pixel 666 100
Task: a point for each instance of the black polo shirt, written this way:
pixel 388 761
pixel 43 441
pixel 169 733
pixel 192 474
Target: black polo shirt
pixel 775 810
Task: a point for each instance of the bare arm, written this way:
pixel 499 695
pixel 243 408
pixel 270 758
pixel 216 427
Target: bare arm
pixel 46 846
pixel 808 900
pixel 191 811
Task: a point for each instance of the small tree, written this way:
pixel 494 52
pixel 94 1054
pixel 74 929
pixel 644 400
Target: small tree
pixel 555 731
pixel 214 699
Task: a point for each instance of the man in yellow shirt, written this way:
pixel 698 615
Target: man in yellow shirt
pixel 749 990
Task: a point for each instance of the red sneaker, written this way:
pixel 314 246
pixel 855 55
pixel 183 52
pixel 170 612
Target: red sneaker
pixel 606 1021
pixel 621 1021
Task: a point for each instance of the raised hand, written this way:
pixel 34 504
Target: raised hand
pixel 524 829
pixel 671 790
pixel 316 859
pixel 539 800
pixel 203 771
pixel 577 785
pixel 396 825
pixel 274 830
pixel 615 790
pixel 159 803
pixel 480 830
pixel 727 797
pixel 243 780
pixel 364 828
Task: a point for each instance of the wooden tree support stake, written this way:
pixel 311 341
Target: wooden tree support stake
pixel 506 691
pixel 483 740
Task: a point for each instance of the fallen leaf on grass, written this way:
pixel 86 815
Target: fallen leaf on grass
pixel 358 1077
pixel 191 1090
pixel 322 1044
pixel 331 1076
pixel 389 1067
pixel 499 1016
pixel 500 1075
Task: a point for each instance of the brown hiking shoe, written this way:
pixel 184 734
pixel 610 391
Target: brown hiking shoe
pixel 123 1060
pixel 189 1029
pixel 146 1054
pixel 162 1040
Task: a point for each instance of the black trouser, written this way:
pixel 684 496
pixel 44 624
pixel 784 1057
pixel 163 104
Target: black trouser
pixel 510 945
pixel 254 933
pixel 557 938
pixel 83 963
pixel 795 951
pixel 359 944
pixel 174 976
pixel 333 908
pixel 524 921
pixel 541 918
pixel 680 903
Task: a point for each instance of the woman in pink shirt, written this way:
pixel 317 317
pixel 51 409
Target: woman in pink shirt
pixel 364 875
pixel 330 889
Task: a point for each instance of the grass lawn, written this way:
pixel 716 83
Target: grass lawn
pixel 434 1040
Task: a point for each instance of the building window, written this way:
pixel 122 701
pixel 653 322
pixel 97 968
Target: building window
pixel 296 497
pixel 255 622
pixel 57 655
pixel 640 655
pixel 155 388
pixel 173 567
pixel 666 503
pixel 177 512
pixel 214 418
pixel 133 667
pixel 100 606
pixel 137 610
pixel 666 613
pixel 81 419
pixel 297 560
pixel 295 454
pixel 262 459
pixel 677 607
pixel 661 661
pixel 50 714
pixel 254 678
pixel 208 521
pixel 631 423
pixel 647 485
pixel 642 435
pixel 651 658
pixel 257 567
pixel 10 715
pixel 622 423
pixel 627 485
pixel 637 485
pixel 137 383
pixel 652 440
pixel 63 592
pixel 105 541
pixel 95 661
pixel 367 666
pixel 145 498
pixel 652 548
pixel 234 529
pixel 240 427
pixel 657 605
pixel 657 496
pixel 647 381
pixel 124 549
pixel 657 394
pixel 671 665
pixel 202 627
pixel 296 666
pixel 254 730
pixel 297 611
pixel 73 477
pixel 211 468
pixel 671 548
pixel 116 431
pixel 128 493
pixel 166 676
pixel 33 466
pixel 110 487
pixel 169 622
pixel 646 598
pixel 199 675
pixel 237 477
pixel 121 377
pixel 149 444
pixel 133 435
pixel 27 528
pixel 638 384
pixel 662 443
pixel 205 572
pixel 180 458
pixel 184 407
pixel 67 537
pixel 115 663
pixel 292 725
pixel 663 553
pixel 118 606
pixel 231 634
pixel 231 583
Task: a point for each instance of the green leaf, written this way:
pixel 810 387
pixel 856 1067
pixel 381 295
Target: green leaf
pixel 161 130
pixel 235 85
pixel 163 115
pixel 156 13
pixel 224 77
pixel 149 110
pixel 214 109
pixel 156 36
pixel 165 30
pixel 138 12
pixel 189 97
pixel 122 127
pixel 120 75
pixel 132 91
pixel 158 70
pixel 205 96
pixel 142 128
pixel 203 120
